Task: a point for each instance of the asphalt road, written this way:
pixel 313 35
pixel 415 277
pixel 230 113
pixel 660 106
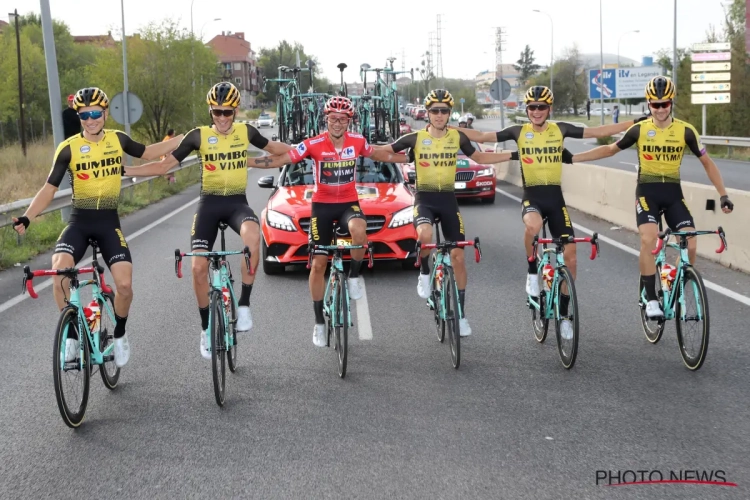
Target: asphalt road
pixel 736 174
pixel 510 423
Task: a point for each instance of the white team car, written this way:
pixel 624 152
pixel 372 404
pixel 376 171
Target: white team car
pixel 265 120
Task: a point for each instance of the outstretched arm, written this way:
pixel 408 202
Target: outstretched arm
pixel 597 153
pixel 160 149
pixel 154 168
pixel 384 155
pixel 486 158
pixel 274 161
pixel 477 135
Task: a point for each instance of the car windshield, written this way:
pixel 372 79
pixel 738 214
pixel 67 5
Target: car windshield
pixel 301 174
pixel 265 117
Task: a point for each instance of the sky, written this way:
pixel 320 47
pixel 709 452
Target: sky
pixel 357 32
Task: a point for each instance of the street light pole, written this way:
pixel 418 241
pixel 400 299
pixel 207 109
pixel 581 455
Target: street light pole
pixel 22 130
pixel 192 59
pixel 674 55
pixel 601 62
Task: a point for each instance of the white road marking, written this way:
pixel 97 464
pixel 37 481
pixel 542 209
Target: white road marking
pixel 364 326
pixel 47 283
pixel 742 299
pixel 634 165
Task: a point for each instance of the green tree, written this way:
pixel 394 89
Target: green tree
pixel 526 65
pixel 285 54
pixel 162 62
pixel 570 86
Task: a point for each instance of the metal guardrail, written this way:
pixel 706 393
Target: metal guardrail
pixel 63 197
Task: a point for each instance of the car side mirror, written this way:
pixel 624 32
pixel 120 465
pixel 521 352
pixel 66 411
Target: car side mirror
pixel 266 182
pixel 274 137
pixel 411 177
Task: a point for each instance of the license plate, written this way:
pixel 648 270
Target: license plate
pixel 460 185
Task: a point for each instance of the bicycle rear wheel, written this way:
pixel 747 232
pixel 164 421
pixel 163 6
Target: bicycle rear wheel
pixel 72 411
pixel 342 324
pixel 653 329
pixel 218 347
pixel 693 351
pixel 568 348
pixel 109 371
pixel 450 292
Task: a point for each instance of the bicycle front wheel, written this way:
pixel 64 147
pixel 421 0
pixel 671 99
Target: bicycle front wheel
pixel 450 295
pixel 71 378
pixel 218 347
pixel 342 324
pixel 566 326
pixel 109 370
pixel 693 348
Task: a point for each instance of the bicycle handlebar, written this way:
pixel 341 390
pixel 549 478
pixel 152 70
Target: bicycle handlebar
pixel 311 247
pixel 664 236
pixel 209 255
pixel 594 240
pixel 29 275
pixel 449 245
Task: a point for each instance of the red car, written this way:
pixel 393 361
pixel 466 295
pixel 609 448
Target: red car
pixel 472 179
pixel 386 201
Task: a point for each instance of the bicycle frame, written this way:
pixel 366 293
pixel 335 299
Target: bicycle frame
pixel 678 285
pixel 98 286
pixel 551 305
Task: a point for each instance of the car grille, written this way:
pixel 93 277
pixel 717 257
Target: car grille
pixel 374 224
pixel 464 176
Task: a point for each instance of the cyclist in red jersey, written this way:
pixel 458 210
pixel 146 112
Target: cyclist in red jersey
pixel 334 154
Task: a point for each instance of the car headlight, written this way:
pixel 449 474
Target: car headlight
pixel 279 221
pixel 402 217
pixel 485 172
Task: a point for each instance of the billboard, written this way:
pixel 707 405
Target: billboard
pixel 623 83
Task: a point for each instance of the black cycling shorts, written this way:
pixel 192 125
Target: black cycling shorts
pixel 322 217
pixel 652 199
pixel 548 202
pixel 443 206
pixel 103 226
pixel 231 210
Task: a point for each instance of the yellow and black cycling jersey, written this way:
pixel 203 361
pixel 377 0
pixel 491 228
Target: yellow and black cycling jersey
pixel 540 153
pixel 435 158
pixel 95 168
pixel 660 151
pixel 223 157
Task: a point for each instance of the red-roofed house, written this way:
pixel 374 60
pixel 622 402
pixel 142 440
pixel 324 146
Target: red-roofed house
pixel 3 24
pixel 103 41
pixel 238 63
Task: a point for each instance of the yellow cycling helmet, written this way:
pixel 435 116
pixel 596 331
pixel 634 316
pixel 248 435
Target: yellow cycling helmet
pixel 660 87
pixel 223 94
pixel 539 93
pixel 90 96
pixel 438 95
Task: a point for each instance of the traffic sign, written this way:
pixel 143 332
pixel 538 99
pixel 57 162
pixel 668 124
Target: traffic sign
pixel 711 56
pixel 117 108
pixel 463 100
pixel 715 98
pixel 703 47
pixel 708 87
pixel 711 77
pixel 718 66
pixel 495 90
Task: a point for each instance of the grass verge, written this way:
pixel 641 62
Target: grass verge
pixel 45 230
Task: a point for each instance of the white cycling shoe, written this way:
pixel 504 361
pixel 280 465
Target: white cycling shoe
pixel 204 345
pixel 423 286
pixel 319 335
pixel 653 310
pixel 532 285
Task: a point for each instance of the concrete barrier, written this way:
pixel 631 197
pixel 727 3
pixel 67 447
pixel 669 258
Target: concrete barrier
pixel 609 194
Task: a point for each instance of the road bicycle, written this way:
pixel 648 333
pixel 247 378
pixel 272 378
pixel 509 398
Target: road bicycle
pixel 222 311
pixel 443 300
pixel 336 298
pixel 76 321
pixel 553 279
pixel 678 286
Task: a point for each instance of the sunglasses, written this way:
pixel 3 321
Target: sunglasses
pixel 540 107
pixel 222 112
pixel 94 115
pixel 444 111
pixel 338 120
pixel 659 105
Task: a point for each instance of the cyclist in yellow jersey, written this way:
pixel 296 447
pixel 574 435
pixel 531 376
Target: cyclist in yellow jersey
pixel 435 150
pixel 541 154
pixel 661 141
pixel 93 161
pixel 223 148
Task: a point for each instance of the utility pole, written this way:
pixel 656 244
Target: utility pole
pixel 22 131
pixel 439 61
pixel 499 40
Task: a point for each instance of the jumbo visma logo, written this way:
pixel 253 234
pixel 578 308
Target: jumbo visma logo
pixel 663 153
pixel 547 154
pixel 437 159
pixel 234 160
pixel 99 169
